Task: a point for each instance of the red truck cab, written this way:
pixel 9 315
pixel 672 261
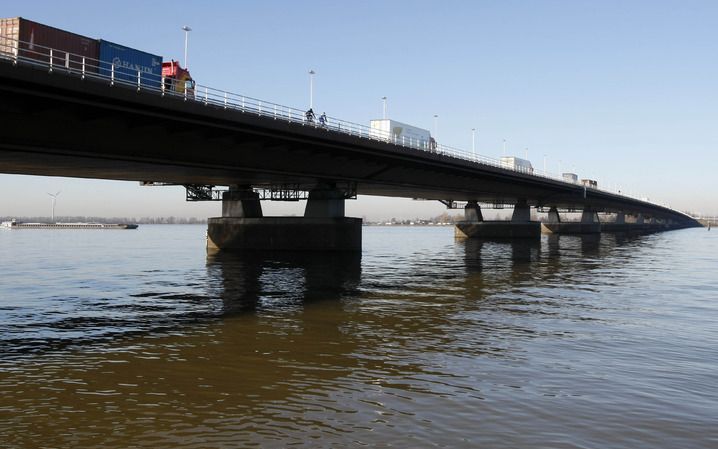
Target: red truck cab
pixel 177 79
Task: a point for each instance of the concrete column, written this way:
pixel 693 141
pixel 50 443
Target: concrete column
pixel 553 216
pixel 589 216
pixel 620 218
pixel 241 203
pixel 639 219
pixel 522 212
pixel 472 212
pixel 325 203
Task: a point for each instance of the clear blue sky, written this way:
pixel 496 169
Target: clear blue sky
pixel 622 92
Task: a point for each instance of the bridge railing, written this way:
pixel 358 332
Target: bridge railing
pixel 142 80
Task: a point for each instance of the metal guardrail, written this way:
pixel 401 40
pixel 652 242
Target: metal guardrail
pixel 58 61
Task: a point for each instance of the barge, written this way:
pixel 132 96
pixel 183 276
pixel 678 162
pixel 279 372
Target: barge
pixel 14 224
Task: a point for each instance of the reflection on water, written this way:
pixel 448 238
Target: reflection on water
pixel 281 279
pixel 421 341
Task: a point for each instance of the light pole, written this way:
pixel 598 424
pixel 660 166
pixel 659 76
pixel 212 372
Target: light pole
pixel 383 100
pixel 544 164
pixel 436 127
pixel 473 142
pixel 186 41
pixel 311 88
pixel 503 149
pixel 54 198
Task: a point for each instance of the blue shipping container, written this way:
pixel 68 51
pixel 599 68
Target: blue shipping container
pixel 128 61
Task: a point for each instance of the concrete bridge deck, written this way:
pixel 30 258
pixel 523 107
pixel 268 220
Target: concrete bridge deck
pixel 62 124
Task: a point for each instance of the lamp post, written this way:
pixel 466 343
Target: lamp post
pixel 436 126
pixel 311 88
pixel 473 142
pixel 544 164
pixel 503 149
pixel 383 99
pixel 186 41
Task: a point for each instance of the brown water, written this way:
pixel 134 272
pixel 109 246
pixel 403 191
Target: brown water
pixel 137 339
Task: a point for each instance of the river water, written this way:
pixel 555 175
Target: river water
pixel 139 339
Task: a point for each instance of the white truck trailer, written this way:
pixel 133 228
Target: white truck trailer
pixel 400 133
pixel 570 177
pixel 516 163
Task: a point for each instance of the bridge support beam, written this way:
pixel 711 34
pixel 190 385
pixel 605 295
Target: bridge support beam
pixel 589 223
pixel 620 225
pixel 324 227
pixel 553 216
pixel 325 203
pixel 520 226
pixel 522 212
pixel 472 212
pixel 241 202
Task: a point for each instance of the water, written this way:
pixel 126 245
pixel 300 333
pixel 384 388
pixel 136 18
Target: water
pixel 138 339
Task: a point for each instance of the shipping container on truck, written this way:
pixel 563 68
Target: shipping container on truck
pixel 31 40
pixel 128 62
pixel 176 78
pixel 516 163
pixel 400 133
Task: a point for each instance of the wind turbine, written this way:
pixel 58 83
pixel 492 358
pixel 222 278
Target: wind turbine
pixel 54 199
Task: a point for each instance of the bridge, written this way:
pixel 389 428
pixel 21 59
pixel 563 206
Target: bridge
pixel 63 117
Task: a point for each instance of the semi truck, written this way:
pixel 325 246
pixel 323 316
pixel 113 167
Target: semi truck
pixel 401 134
pixel 570 177
pixel 23 38
pixel 516 163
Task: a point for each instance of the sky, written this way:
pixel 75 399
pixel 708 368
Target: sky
pixel 622 92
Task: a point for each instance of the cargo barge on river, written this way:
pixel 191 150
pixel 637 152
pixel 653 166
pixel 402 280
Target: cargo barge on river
pixel 13 224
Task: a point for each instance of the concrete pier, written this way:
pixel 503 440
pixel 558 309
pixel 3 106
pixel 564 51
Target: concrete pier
pixel 520 226
pixel 589 223
pixel 242 226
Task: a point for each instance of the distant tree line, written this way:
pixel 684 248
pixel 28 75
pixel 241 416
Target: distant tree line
pixel 127 220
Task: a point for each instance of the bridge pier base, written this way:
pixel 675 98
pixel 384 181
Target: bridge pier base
pixel 323 227
pixel 589 223
pixel 520 226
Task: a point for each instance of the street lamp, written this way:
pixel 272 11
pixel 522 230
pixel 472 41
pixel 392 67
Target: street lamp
pixel 186 40
pixel 544 164
pixel 436 127
pixel 383 99
pixel 311 88
pixel 503 149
